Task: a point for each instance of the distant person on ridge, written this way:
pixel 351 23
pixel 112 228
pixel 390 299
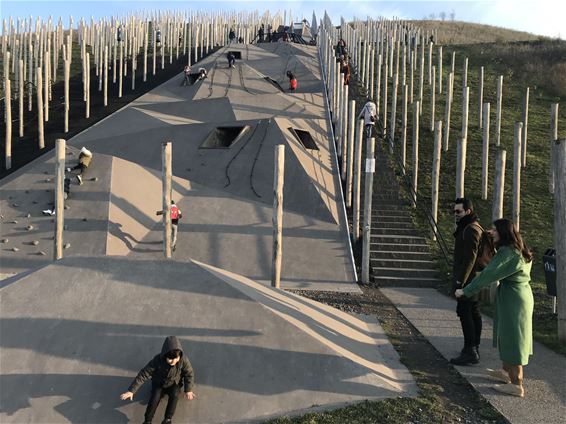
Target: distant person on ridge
pixel 231 35
pixel 169 371
pixel 176 214
pixel 292 81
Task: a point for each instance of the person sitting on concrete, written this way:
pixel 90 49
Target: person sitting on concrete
pixel 369 114
pixel 187 75
pixel 176 214
pixel 292 81
pixel 85 157
pixel 169 371
pixel 202 74
pixel 231 59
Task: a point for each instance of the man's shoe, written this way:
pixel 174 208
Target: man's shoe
pixel 498 375
pixel 477 349
pixel 468 356
pixel 80 179
pixel 167 421
pixel 510 389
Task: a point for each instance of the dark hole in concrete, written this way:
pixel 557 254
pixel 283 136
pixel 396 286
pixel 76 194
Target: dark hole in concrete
pixel 237 55
pixel 224 137
pixel 304 138
pixel 275 83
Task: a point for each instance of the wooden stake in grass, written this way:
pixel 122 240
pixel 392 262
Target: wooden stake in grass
pixel 121 70
pixel 370 169
pixel 384 115
pixel 8 105
pixel 166 195
pixel 498 111
pixel 485 151
pixel 350 153
pixel 87 85
pixel 59 198
pixel 499 185
pixel 404 128
pixel 357 181
pixel 436 169
pixel 105 89
pixel 21 98
pixel 448 95
pixel 559 147
pixel 278 179
pixel 553 138
pixel 39 92
pixel 480 99
pixel 460 166
pixel 465 110
pixel 439 69
pixel 517 175
pixel 433 98
pixel 393 113
pixel 525 126
pixel 67 71
pixel 415 173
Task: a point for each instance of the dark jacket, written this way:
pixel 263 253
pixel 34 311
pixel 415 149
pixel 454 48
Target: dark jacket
pixel 467 239
pixel 161 373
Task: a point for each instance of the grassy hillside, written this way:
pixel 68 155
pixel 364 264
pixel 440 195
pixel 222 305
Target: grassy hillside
pixel 540 65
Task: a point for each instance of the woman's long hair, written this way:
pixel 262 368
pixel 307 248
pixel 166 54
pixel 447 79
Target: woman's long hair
pixel 509 236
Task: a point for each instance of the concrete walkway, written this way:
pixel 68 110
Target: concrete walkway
pixel 433 314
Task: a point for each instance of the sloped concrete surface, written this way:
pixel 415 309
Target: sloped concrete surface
pixel 433 314
pixel 75 333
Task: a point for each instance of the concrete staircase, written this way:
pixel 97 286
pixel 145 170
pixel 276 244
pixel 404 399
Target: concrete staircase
pixel 399 255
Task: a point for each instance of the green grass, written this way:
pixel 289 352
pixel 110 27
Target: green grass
pixel 522 64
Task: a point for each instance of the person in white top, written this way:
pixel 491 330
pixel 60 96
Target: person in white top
pixel 369 114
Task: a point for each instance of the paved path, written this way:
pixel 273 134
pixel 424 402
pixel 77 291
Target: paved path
pixel 433 314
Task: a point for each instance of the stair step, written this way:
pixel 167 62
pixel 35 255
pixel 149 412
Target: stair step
pixel 393 238
pixel 415 264
pixel 399 254
pixel 379 223
pixel 399 247
pixel 399 220
pixel 404 272
pixel 384 231
pixel 406 282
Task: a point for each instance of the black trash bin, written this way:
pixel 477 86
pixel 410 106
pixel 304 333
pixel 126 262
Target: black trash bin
pixel 549 262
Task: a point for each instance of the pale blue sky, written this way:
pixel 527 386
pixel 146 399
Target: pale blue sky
pixel 543 17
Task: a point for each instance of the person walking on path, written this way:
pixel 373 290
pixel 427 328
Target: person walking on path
pixel 369 114
pixel 85 157
pixel 187 75
pixel 467 238
pixel 169 371
pixel 513 318
pixel 231 60
pixel 176 214
pixel 292 81
pixel 231 35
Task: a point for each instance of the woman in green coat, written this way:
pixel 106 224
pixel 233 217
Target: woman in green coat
pixel 512 324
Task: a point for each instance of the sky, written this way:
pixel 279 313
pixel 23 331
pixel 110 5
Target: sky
pixel 541 17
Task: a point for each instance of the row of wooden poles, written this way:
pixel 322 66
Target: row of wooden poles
pixel 385 53
pixel 32 55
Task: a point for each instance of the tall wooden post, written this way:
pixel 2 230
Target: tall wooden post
pixel 39 92
pixel 465 109
pixel 357 181
pixel 415 173
pixel 67 70
pixel 87 85
pixel 499 185
pixel 480 99
pixel 105 89
pixel 439 69
pixel 559 231
pixel 370 169
pixel 525 126
pixel 166 194
pixel 121 69
pixel 517 175
pixel 436 169
pixel 277 220
pixel 21 98
pixel 8 105
pixel 384 114
pixel 59 198
pixel 393 113
pixel 448 106
pixel 433 99
pixel 553 138
pixel 404 129
pixel 498 111
pixel 460 166
pixel 485 151
pixel 350 153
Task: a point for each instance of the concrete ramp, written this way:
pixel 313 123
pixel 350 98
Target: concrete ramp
pixel 75 333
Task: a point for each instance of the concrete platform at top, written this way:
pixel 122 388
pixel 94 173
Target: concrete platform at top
pixel 226 194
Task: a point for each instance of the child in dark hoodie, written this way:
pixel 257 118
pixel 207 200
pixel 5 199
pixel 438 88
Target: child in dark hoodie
pixel 168 371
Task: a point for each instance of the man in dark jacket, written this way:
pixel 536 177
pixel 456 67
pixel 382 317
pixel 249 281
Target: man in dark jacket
pixel 168 371
pixel 467 238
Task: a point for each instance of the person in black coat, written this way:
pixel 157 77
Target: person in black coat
pixel 169 371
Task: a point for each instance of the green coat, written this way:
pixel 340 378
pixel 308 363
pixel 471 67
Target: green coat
pixel 513 319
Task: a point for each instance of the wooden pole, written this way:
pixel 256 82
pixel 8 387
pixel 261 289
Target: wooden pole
pixel 415 173
pixel 121 70
pixel 485 151
pixel 67 70
pixel 448 95
pixel 421 81
pixel 87 76
pixel 277 220
pixel 465 110
pixel 105 89
pixel 59 198
pixel 553 138
pixel 370 168
pixel 460 166
pixel 39 92
pixel 480 99
pixel 517 175
pixel 498 111
pixel 433 99
pixel 499 185
pixel 525 127
pixel 21 98
pixel 166 192
pixel 378 84
pixel 393 113
pixel 436 169
pixel 559 147
pixel 350 153
pixel 8 105
pixel 439 69
pixel 357 181
pixel 384 114
pixel 404 129
pixel 46 88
